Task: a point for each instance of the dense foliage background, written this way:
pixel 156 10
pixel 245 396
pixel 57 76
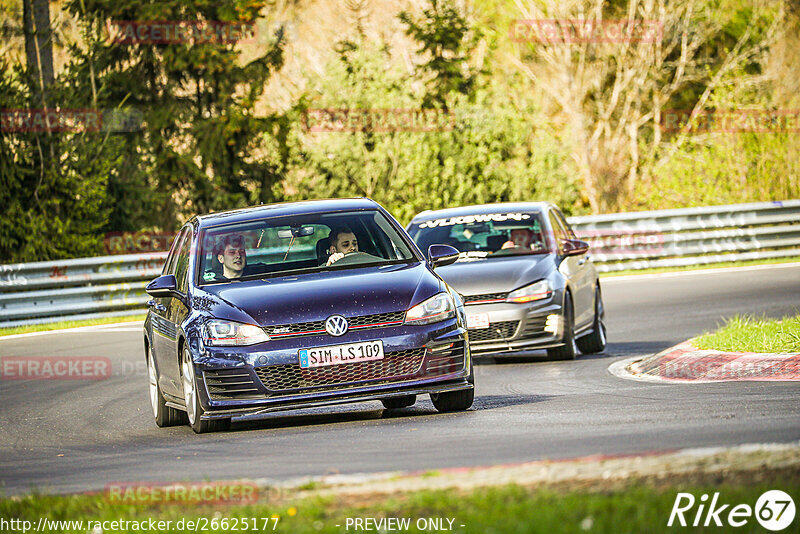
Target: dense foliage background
pixel 205 126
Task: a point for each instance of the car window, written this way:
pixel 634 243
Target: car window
pixel 564 224
pixel 484 235
pixel 558 229
pixel 182 261
pixel 281 246
pixel 169 264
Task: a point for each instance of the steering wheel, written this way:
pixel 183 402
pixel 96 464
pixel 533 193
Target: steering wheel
pixel 354 258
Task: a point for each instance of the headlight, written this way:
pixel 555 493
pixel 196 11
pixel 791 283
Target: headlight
pixel 539 290
pixel 437 308
pixel 230 333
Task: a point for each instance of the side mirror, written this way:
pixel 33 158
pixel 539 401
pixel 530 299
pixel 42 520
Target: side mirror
pixel 574 247
pixel 163 286
pixel 440 255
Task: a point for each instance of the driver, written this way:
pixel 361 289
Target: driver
pixel 231 254
pixel 343 241
pixel 520 238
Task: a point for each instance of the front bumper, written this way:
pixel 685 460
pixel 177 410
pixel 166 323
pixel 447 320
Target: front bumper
pixel 516 327
pixel 247 381
pixel 343 397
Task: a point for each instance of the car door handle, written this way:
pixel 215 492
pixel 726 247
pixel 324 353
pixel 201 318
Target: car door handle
pixel 156 305
pixel 581 261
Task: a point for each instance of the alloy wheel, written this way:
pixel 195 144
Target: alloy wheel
pixel 189 389
pixel 151 373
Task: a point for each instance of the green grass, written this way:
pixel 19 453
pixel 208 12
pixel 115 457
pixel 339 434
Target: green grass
pixel 508 509
pixel 743 333
pixel 68 324
pixel 768 261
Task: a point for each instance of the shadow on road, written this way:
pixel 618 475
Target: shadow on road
pixel 490 402
pixel 613 350
pixel 635 348
pixel 423 408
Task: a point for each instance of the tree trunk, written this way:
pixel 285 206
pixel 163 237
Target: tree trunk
pixel 38 45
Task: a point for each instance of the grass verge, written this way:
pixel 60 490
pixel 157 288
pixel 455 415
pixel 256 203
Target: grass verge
pixel 68 324
pixel 769 261
pixel 638 506
pixel 743 333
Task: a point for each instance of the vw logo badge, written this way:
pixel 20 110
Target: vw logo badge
pixel 336 325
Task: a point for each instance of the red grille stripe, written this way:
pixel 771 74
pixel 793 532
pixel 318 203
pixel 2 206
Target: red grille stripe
pixel 297 333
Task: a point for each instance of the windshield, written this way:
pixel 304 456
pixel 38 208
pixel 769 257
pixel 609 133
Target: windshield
pixel 484 236
pixel 307 243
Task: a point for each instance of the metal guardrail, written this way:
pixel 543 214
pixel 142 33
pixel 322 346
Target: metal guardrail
pixel 111 286
pixel 691 236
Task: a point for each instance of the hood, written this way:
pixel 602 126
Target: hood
pixel 316 296
pixel 499 275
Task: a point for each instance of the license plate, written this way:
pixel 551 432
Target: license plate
pixel 341 354
pixel 478 320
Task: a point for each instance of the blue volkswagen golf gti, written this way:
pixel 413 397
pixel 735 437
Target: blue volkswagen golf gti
pixel 298 305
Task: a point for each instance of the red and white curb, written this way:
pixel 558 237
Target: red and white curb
pixel 686 363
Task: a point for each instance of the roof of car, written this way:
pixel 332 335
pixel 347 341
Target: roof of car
pixel 481 209
pixel 286 208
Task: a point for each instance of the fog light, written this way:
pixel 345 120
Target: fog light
pixel 440 348
pixel 552 323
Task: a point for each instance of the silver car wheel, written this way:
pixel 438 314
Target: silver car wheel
pixel 189 390
pixel 602 333
pixel 151 373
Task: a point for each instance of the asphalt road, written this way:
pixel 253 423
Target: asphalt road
pixel 68 435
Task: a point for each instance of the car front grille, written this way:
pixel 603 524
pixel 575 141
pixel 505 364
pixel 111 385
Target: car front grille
pixel 484 298
pixel 231 384
pixel 495 332
pixel 376 320
pixel 292 378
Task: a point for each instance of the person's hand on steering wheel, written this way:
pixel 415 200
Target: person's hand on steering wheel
pixel 334 258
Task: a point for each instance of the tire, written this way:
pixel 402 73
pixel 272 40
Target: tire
pixel 396 403
pixel 568 350
pixel 194 411
pixel 163 414
pixel 455 401
pixel 596 341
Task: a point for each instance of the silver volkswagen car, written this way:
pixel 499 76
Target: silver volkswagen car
pixel 527 282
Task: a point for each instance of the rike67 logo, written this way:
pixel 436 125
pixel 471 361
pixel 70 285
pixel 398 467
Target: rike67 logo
pixel 774 510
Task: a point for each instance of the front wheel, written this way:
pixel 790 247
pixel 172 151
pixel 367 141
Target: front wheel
pixel 455 401
pixel 163 414
pixel 596 341
pixel 194 410
pixel 568 350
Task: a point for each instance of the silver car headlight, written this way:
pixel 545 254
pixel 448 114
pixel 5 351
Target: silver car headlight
pixel 437 308
pixel 221 333
pixel 537 291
